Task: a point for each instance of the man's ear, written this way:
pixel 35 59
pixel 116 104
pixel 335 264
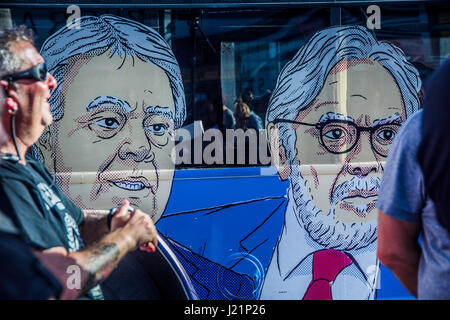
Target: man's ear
pixel 10 98
pixel 279 159
pixel 11 105
pixel 4 84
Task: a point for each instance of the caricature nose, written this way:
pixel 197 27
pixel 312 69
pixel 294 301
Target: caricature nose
pixel 361 169
pixel 358 163
pixel 135 153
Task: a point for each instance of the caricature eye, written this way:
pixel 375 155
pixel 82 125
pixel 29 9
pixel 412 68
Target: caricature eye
pixel 383 138
pixel 335 134
pixel 338 136
pixel 108 123
pixel 158 129
pixel 387 135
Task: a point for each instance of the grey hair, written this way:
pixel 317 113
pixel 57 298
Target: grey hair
pixel 123 37
pixel 303 77
pixel 9 62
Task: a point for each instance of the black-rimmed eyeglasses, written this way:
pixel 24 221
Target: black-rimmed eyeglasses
pixel 37 73
pixel 341 136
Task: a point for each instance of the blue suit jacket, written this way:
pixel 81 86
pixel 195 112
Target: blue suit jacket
pixel 227 249
pixel 212 281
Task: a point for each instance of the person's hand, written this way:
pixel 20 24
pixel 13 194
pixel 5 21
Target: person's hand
pixel 141 229
pixel 122 216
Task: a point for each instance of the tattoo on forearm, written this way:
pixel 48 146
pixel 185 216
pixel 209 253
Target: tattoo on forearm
pixel 102 262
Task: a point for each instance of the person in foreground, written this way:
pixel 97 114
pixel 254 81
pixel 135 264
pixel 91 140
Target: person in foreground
pixel 413 236
pixel 50 223
pixel 22 275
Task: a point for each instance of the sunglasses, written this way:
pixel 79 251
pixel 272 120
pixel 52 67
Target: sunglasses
pixel 36 73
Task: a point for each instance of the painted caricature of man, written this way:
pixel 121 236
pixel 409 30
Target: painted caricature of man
pixel 119 99
pixel 333 115
pixel 337 104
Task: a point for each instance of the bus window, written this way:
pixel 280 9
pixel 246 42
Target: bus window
pixel 255 135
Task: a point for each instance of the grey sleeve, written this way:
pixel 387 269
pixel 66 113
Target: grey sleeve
pixel 402 193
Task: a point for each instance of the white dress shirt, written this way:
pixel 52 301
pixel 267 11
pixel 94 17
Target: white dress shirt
pixel 290 270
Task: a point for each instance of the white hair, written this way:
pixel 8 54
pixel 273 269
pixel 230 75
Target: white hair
pixel 298 84
pixel 123 37
pixel 303 77
pixel 10 62
pixel 323 227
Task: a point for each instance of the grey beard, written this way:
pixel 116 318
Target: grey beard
pixel 326 230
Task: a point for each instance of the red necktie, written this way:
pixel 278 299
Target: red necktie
pixel 327 264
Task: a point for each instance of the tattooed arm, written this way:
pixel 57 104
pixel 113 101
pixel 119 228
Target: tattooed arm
pixel 96 262
pixel 80 271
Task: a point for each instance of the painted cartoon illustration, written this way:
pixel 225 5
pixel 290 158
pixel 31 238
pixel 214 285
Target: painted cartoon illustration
pixel 332 117
pixel 119 101
pixel 355 94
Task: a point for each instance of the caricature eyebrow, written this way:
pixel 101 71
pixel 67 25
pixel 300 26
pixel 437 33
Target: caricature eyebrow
pixel 157 110
pixel 358 95
pixel 318 105
pixel 395 118
pixel 108 100
pixel 335 116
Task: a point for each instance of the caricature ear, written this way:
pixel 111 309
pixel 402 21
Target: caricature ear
pixel 279 159
pixel 45 146
pixel 44 139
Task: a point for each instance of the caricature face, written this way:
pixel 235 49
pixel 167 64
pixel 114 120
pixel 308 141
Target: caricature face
pixel 118 126
pixel 356 115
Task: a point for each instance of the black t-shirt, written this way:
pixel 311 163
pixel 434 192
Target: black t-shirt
pixel 22 276
pixel 44 215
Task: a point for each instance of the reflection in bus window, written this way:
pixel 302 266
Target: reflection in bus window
pixel 249 209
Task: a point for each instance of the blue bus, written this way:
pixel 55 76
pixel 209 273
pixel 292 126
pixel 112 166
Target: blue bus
pixel 253 132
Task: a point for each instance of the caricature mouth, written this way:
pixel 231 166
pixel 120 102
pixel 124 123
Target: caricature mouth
pixel 360 195
pixel 129 185
pixel 132 183
pixel 360 203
